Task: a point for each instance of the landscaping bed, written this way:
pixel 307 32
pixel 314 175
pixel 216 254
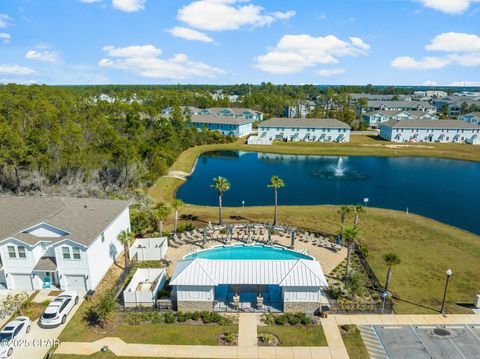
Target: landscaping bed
pixel 353 342
pixel 291 329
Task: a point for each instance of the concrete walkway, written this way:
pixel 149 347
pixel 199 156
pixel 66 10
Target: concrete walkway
pixel 407 319
pixel 334 338
pixel 247 330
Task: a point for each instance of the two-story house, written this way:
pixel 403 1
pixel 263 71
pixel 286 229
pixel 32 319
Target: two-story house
pixel 59 243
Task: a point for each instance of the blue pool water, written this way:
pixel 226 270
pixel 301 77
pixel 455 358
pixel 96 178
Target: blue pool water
pixel 445 190
pixel 245 252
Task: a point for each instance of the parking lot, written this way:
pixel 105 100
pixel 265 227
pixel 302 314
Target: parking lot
pixel 419 342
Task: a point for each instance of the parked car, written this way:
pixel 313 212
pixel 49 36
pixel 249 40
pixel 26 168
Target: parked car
pixel 12 334
pixel 58 309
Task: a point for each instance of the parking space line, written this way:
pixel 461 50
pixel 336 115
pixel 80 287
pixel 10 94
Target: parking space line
pixel 381 343
pixel 454 327
pixel 426 327
pixel 391 327
pixel 421 341
pixel 458 349
pixel 475 334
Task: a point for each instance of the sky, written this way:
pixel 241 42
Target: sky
pixel 342 42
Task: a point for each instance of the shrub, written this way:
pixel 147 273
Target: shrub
pixel 266 338
pixel 230 337
pixel 169 317
pixel 268 319
pixel 280 320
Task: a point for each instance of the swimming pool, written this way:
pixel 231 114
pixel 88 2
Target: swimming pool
pixel 246 252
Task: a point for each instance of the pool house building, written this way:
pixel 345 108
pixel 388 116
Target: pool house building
pixel 304 129
pixel 285 284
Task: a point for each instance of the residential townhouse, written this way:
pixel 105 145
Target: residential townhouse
pixel 300 110
pixel 373 119
pixel 455 104
pixel 473 118
pixel 304 129
pixel 226 125
pixel 443 131
pixel 399 106
pixel 233 112
pixel 59 243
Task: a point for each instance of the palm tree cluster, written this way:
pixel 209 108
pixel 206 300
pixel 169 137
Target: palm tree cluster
pixel 222 185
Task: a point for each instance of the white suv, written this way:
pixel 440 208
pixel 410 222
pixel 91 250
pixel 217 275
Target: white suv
pixel 11 335
pixel 58 309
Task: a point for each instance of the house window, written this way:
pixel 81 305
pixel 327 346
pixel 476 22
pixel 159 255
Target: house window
pixel 11 252
pixel 21 252
pixel 76 253
pixel 66 252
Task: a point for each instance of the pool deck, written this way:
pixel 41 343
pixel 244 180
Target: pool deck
pixel 328 258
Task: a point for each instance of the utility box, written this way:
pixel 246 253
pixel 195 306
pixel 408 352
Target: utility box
pixel 477 301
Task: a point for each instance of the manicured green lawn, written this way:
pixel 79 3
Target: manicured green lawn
pixel 354 343
pixel 427 249
pixel 297 336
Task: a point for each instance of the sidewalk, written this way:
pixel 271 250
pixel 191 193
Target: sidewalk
pixel 407 319
pixel 247 330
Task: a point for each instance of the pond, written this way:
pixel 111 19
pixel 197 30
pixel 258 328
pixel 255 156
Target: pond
pixel 445 190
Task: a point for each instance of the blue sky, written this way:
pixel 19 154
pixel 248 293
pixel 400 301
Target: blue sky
pixel 409 42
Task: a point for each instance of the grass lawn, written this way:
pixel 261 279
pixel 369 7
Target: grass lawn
pixel 297 336
pixel 78 331
pixel 354 343
pixel 427 249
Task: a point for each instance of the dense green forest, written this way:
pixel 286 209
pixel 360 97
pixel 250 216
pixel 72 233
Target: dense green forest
pixel 56 140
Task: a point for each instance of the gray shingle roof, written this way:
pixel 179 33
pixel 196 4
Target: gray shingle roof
pixel 429 124
pixel 224 120
pixel 397 104
pixel 46 264
pixel 303 123
pixel 83 218
pixel 475 114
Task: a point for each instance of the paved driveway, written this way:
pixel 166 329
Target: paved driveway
pixel 39 340
pixel 425 342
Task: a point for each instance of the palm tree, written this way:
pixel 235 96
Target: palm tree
pixel 276 183
pixel 125 237
pixel 390 260
pixel 159 213
pixel 343 211
pixel 176 205
pixel 356 211
pixel 350 235
pixel 221 185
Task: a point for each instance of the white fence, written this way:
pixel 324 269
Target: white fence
pixel 149 249
pixel 144 287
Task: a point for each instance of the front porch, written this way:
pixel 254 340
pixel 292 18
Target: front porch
pixel 248 298
pixel 45 274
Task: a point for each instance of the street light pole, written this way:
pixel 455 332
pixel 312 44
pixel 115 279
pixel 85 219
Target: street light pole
pixel 449 274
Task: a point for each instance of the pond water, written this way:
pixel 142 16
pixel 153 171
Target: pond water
pixel 445 190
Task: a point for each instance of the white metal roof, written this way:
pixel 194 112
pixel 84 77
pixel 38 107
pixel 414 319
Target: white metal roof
pixel 286 273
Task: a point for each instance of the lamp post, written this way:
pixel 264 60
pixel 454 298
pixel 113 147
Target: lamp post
pixel 449 274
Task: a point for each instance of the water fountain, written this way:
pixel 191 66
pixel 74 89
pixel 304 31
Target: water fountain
pixel 339 170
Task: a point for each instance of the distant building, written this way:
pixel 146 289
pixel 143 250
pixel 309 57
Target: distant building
pixel 226 125
pixel 300 110
pixel 473 118
pixel 399 106
pixel 454 104
pixel 373 119
pixel 429 94
pixel 233 112
pixel 444 131
pixel 304 129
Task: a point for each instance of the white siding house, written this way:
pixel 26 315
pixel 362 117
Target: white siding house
pixel 226 125
pixel 443 131
pixel 59 243
pixel 304 129
pixel 373 119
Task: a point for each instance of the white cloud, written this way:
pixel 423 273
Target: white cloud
pixel 189 34
pixel 220 15
pixel 430 83
pixel 5 38
pixel 426 63
pixel 455 42
pixel 129 5
pixel 449 6
pixel 465 83
pixel 144 61
pixel 295 53
pixel 460 48
pixel 46 56
pixel 330 72
pixel 16 70
pixel 4 20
